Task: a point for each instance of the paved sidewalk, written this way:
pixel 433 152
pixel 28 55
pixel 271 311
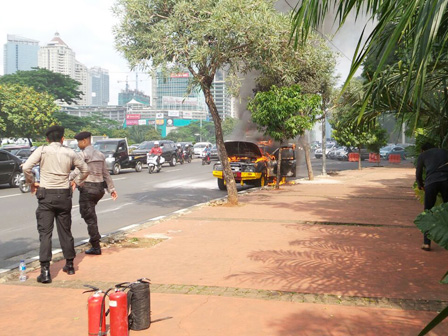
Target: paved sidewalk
pixel 336 256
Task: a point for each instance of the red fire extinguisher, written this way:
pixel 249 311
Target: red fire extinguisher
pixel 118 308
pixel 96 312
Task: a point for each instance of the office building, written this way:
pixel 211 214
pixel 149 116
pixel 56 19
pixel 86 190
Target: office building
pixel 20 53
pixel 58 57
pixel 99 86
pixel 125 96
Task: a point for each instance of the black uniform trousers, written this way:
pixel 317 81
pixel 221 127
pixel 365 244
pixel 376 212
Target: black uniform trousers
pixel 54 204
pixel 89 195
pixel 431 192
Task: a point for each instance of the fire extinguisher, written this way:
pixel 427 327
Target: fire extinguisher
pixel 118 309
pixel 96 312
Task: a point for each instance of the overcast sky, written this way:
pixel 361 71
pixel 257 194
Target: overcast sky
pixel 84 25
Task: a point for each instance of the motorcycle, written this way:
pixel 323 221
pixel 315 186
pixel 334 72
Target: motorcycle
pixel 187 156
pixel 25 187
pixel 153 166
pixel 180 156
pixel 206 159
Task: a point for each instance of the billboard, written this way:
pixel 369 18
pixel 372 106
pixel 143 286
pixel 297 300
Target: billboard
pixel 132 116
pixel 187 115
pixel 180 75
pixel 131 122
pixel 172 100
pixel 142 122
pixel 159 115
pixel 160 122
pixel 173 114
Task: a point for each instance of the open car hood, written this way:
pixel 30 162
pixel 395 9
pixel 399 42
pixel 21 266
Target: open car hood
pixel 242 148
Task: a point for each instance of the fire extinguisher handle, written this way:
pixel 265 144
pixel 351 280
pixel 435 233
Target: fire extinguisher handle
pixel 92 289
pixel 122 285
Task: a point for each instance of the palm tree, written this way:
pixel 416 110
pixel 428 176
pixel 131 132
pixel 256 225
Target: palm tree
pixel 419 25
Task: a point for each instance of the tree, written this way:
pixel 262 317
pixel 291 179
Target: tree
pixel 348 129
pixel 60 86
pixel 419 25
pixel 24 112
pixel 201 37
pixel 283 113
pixel 140 133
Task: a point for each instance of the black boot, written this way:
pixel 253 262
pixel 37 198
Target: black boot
pixel 44 276
pixel 68 268
pixel 94 250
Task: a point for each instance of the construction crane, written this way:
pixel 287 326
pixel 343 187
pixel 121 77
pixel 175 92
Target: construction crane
pixel 136 82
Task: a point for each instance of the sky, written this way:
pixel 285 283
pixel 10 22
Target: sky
pixel 84 25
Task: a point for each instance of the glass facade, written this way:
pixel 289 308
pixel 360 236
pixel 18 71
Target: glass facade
pixel 20 53
pixel 100 86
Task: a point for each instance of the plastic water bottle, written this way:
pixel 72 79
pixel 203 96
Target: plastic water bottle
pixel 22 270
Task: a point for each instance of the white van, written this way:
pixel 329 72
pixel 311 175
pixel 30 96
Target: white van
pixel 199 147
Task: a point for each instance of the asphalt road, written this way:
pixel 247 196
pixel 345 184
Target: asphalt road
pixel 142 197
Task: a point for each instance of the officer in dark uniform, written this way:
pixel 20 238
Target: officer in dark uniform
pixel 92 189
pixel 54 197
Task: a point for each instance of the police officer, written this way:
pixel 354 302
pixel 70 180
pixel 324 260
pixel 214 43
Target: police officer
pixel 92 190
pixel 54 197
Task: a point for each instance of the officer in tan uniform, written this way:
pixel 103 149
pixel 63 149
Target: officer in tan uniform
pixel 92 190
pixel 54 197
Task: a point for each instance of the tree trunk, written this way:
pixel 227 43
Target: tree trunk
pixel 359 158
pixel 279 166
pixel 324 145
pixel 232 194
pixel 306 148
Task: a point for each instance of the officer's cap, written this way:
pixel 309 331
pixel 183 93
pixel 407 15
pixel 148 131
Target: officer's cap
pixel 83 135
pixel 55 128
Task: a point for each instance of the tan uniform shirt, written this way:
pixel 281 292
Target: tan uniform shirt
pixel 56 162
pixel 98 171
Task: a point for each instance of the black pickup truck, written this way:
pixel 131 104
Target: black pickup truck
pixel 117 155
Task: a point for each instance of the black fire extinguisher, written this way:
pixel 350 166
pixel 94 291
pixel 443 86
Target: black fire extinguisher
pixel 140 305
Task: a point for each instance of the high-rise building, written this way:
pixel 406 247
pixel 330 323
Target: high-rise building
pixel 58 57
pixel 20 53
pixel 169 93
pixel 221 96
pixel 99 86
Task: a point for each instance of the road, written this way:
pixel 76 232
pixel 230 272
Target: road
pixel 142 197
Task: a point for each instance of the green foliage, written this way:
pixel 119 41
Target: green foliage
pixel 188 132
pixel 25 112
pixel 416 25
pixel 284 112
pixel 140 133
pixel 96 124
pixel 60 86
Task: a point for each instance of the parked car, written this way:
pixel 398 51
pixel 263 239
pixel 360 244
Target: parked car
pixel 168 150
pixel 9 168
pixel 318 152
pixel 118 156
pixel 198 148
pixel 22 152
pixel 386 151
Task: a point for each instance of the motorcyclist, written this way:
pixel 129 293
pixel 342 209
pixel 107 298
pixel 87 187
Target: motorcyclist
pixel 207 152
pixel 188 151
pixel 156 150
pixel 179 153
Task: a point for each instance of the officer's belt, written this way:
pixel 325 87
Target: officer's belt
pixel 57 191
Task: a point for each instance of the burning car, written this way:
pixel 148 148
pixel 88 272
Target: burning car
pixel 250 164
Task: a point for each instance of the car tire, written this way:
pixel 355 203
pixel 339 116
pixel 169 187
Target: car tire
pixel 138 167
pixel 14 182
pixel 173 161
pixel 24 187
pixel 116 169
pixel 221 184
pixel 262 181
